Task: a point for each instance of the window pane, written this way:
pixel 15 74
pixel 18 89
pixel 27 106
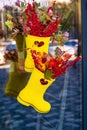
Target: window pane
pixel 65 94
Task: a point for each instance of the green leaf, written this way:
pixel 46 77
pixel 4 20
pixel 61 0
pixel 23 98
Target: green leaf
pixel 37 4
pixel 9 16
pixel 9 24
pixel 22 4
pixel 48 74
pixel 42 18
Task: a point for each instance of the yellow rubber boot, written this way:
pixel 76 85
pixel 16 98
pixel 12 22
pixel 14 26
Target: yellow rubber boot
pixel 39 44
pixel 17 77
pixel 16 82
pixel 33 93
pixel 20 43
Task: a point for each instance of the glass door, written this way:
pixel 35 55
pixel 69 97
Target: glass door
pixel 65 94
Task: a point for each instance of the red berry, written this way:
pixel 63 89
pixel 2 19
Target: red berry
pixel 44 60
pixel 52 63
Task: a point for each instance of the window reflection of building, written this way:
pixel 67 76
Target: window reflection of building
pixel 78 17
pixel 44 3
pixel 1 24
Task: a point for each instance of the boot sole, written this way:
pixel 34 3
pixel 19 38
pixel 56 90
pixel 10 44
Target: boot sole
pixel 20 100
pixel 11 93
pixel 28 69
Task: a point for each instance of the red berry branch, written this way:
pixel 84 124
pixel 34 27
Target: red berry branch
pixel 34 25
pixel 52 67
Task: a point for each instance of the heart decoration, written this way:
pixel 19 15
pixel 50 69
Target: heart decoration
pixel 43 81
pixel 39 44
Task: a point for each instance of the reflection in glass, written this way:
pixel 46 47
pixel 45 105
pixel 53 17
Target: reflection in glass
pixel 65 94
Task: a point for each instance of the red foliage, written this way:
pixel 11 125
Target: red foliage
pixel 57 65
pixel 34 26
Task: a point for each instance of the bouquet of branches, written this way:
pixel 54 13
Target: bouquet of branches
pixel 52 66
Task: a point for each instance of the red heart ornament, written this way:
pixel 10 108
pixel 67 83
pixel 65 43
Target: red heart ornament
pixel 39 44
pixel 43 81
